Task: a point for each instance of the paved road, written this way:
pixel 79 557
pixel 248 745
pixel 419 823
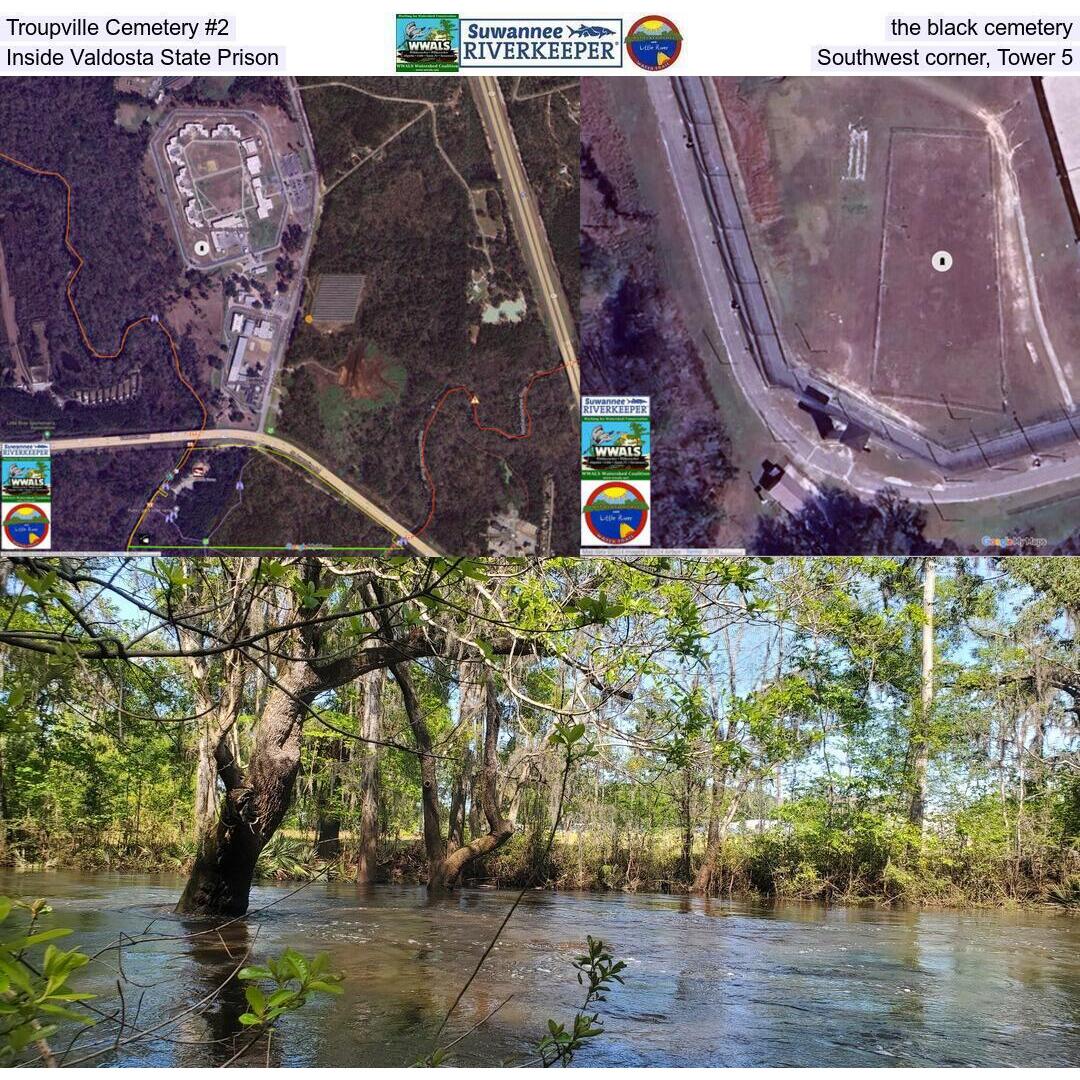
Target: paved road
pixel 281 345
pixel 227 437
pixel 823 461
pixel 528 224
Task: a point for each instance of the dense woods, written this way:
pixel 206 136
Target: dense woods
pixel 629 319
pixel 131 265
pixel 403 219
pixel 843 730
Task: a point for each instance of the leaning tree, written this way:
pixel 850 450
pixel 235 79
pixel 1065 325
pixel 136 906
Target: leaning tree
pixel 265 642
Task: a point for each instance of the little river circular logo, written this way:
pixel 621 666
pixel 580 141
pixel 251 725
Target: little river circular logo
pixel 616 513
pixel 26 525
pixel 654 43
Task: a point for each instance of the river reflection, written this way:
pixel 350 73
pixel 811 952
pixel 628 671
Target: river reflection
pixel 707 983
pixel 215 956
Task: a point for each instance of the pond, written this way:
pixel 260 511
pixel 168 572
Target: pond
pixel 707 982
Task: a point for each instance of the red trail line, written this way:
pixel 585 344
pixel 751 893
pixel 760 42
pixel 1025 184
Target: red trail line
pixel 147 319
pixel 513 436
pixel 190 448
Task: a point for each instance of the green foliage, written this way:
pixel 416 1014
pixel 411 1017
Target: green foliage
pixel 34 991
pixel 570 737
pixel 286 858
pixel 715 684
pixel 283 985
pixel 597 972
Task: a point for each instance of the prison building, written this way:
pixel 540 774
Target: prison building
pixel 789 493
pixel 264 204
pixel 183 182
pixel 229 221
pixel 337 298
pixel 191 131
pixel 236 368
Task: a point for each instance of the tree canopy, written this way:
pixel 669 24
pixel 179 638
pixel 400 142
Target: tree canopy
pixel 834 728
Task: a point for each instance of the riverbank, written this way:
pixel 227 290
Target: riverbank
pixel 766 866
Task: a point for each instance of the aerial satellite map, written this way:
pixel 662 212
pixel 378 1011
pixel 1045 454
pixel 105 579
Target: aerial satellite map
pixel 262 314
pixel 852 302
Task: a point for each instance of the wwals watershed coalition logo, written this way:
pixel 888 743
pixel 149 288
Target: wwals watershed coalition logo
pixel 447 43
pixel 654 43
pixel 428 42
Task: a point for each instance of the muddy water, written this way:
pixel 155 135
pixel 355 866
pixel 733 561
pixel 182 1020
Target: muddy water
pixel 707 983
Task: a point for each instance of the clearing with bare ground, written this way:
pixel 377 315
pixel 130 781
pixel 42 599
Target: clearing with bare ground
pixel 851 185
pixel 934 325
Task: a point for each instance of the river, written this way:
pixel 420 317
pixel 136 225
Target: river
pixel 707 982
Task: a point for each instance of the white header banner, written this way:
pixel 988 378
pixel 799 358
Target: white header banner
pixel 688 37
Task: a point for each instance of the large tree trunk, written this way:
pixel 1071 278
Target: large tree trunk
pixel 328 837
pixel 434 847
pixel 500 829
pixel 206 773
pixel 217 744
pixel 327 813
pixel 470 706
pixel 206 778
pixel 255 802
pixel 455 835
pixel 476 798
pixel 371 718
pixel 703 879
pixel 920 742
pixel 686 857
pixel 706 876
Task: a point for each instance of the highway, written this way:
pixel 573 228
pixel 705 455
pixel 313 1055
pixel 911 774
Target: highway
pixel 528 224
pixel 258 439
pixel 288 323
pixel 690 171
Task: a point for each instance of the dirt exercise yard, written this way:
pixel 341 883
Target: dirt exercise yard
pixel 938 303
pixel 852 186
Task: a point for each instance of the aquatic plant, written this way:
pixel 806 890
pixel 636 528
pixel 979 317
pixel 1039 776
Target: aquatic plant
pixel 599 969
pixel 280 987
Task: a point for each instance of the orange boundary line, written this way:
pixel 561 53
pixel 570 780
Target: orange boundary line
pixel 190 448
pixel 445 396
pixel 148 319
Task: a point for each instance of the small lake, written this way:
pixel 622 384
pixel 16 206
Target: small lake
pixel 707 982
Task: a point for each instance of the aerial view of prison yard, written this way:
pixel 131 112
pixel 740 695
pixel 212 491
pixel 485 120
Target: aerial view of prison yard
pixel 877 278
pixel 263 313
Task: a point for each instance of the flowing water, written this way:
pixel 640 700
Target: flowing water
pixel 707 983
